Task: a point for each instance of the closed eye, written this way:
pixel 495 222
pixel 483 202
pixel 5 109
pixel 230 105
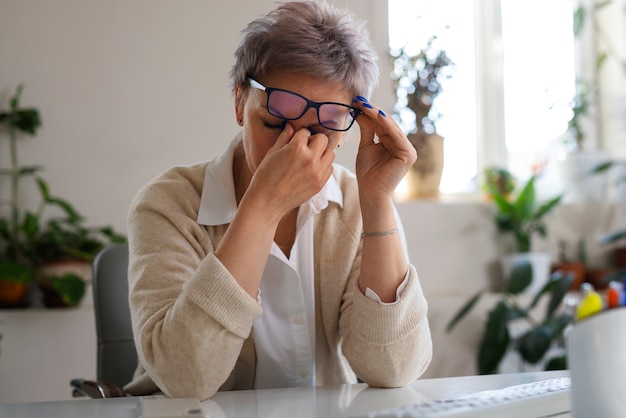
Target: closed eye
pixel 272 126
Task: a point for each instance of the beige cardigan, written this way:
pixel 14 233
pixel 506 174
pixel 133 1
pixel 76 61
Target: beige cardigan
pixel 192 322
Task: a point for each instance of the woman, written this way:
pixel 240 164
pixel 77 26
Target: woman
pixel 270 266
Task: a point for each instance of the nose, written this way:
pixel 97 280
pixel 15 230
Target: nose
pixel 308 120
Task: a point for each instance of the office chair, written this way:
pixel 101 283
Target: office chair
pixel 116 354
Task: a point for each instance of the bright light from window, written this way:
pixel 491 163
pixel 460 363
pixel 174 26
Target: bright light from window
pixel 537 77
pixel 411 24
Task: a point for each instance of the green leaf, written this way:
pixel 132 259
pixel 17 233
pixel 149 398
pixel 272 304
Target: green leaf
pixel 556 363
pixel 600 168
pixel 547 207
pixel 15 100
pixel 525 202
pixel 601 5
pixel 504 206
pixel 31 224
pixel 520 278
pixel 27 170
pixel 464 310
pixel 495 340
pixel 69 210
pixel 558 324
pixel 26 120
pixel 70 287
pixel 21 273
pixel 579 20
pixel 612 237
pixel 535 344
pixel 563 282
pixel 600 60
pixel 43 188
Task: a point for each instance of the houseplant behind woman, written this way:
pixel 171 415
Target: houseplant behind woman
pixel 523 217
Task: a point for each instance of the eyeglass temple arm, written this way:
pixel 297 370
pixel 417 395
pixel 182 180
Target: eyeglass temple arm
pixel 256 84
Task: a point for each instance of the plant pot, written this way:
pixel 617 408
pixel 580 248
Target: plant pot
pixel 540 262
pixel 49 274
pixel 578 270
pixel 424 177
pixel 14 294
pixel 598 278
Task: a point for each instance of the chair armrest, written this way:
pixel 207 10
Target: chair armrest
pixel 93 389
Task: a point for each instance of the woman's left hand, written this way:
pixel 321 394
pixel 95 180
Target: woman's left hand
pixel 381 166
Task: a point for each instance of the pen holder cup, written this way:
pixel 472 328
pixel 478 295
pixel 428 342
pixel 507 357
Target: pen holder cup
pixel 596 356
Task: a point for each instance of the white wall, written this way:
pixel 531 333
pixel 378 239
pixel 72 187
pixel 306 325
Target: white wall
pixel 127 89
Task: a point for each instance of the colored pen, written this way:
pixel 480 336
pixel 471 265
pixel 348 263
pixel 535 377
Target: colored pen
pixel 591 302
pixel 613 295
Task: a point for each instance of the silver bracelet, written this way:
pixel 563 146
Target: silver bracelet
pixel 379 234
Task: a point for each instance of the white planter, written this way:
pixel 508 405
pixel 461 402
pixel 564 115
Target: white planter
pixel 578 184
pixel 540 263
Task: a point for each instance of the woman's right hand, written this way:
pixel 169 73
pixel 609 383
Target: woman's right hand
pixel 294 169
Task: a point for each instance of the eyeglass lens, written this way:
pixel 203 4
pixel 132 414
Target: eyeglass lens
pixel 287 105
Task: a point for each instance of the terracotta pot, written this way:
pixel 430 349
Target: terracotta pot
pixel 598 278
pixel 619 257
pixel 578 270
pixel 13 294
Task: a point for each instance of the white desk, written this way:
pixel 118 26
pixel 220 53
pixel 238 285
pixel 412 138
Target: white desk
pixel 321 402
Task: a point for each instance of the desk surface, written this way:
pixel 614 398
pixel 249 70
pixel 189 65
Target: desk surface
pixel 326 402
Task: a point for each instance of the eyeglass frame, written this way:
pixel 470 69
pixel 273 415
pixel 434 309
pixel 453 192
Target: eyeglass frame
pixel 309 104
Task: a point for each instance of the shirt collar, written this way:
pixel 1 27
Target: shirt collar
pixel 218 203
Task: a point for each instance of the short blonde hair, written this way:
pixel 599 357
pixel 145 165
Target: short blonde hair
pixel 312 38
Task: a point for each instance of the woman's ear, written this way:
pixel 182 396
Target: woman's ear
pixel 239 104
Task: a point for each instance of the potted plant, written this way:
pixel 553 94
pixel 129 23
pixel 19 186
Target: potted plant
pixel 498 180
pixel 579 169
pixel 15 273
pixel 28 241
pixel 418 80
pixel 540 335
pixel 523 217
pixel 617 272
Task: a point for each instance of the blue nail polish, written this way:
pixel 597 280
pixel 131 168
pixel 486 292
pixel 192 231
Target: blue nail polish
pixel 282 127
pixel 361 98
pixel 369 106
pixel 381 113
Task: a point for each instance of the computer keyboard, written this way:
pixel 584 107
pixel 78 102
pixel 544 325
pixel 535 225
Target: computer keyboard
pixel 544 398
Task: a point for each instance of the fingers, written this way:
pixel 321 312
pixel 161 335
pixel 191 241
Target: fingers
pixel 318 144
pixel 377 127
pixel 375 120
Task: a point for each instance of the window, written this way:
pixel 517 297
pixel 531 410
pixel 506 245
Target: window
pixel 508 100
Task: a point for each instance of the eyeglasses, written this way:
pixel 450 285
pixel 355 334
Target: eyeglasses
pixel 288 105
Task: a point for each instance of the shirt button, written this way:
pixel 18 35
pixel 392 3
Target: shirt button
pixel 298 320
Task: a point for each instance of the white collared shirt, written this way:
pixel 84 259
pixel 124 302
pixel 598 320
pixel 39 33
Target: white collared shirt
pixel 284 335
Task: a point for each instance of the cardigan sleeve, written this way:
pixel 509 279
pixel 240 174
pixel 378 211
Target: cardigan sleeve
pixel 190 318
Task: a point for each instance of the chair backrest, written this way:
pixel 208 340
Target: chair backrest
pixel 117 356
